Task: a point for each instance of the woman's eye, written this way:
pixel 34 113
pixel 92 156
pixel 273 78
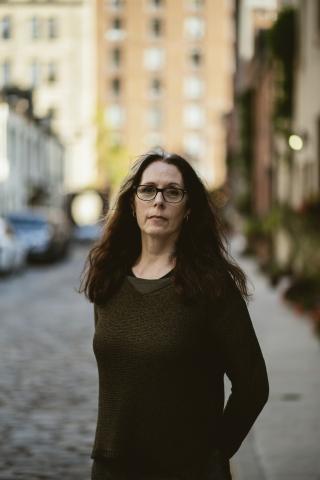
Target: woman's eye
pixel 173 192
pixel 147 189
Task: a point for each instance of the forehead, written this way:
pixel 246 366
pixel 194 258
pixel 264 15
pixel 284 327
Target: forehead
pixel 162 172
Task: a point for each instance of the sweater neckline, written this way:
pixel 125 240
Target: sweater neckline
pixel 161 288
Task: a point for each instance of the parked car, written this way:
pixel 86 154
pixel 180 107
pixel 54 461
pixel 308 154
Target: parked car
pixel 87 233
pixel 12 251
pixel 45 233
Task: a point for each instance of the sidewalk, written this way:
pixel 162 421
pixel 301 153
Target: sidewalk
pixel 284 443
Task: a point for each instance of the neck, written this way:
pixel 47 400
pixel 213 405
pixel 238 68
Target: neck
pixel 156 258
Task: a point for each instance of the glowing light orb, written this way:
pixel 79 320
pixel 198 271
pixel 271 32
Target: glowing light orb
pixel 86 208
pixel 295 142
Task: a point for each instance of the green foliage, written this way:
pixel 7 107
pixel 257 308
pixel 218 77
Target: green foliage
pixel 112 157
pixel 282 41
pixel 305 290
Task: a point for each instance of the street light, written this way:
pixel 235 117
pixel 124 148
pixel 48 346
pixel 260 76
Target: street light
pixel 295 142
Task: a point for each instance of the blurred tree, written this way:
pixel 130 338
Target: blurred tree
pixel 282 41
pixel 112 156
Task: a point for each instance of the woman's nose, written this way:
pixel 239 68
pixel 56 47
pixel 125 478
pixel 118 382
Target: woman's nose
pixel 158 198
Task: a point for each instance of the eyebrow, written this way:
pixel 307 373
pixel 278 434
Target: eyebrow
pixel 169 184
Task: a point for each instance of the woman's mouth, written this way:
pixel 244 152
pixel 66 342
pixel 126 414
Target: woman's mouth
pixel 157 217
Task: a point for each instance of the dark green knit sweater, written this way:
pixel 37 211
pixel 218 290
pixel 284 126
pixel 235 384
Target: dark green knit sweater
pixel 161 365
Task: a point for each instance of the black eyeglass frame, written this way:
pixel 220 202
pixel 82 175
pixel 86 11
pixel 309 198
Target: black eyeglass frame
pixel 159 190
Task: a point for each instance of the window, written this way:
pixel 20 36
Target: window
pixel 52 27
pixel 35 27
pixel 193 87
pixel 153 58
pixel 156 27
pixel 5 28
pixel 153 140
pixel 116 24
pixel 115 116
pixel 116 4
pixel 193 116
pixel 195 4
pixel 196 58
pixel 194 27
pixel 52 72
pixel 116 31
pixel 116 56
pixel 116 86
pixel 34 73
pixel 155 87
pixel 52 113
pixel 193 144
pixel 154 117
pixel 5 73
pixel 156 3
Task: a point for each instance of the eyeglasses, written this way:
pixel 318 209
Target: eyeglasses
pixel 170 194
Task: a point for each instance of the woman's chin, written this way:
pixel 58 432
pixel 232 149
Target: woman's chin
pixel 156 230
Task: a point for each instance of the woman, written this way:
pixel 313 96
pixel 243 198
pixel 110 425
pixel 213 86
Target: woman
pixel 170 321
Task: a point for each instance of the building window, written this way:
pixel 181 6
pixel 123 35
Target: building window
pixel 116 31
pixel 52 72
pixel 52 27
pixel 155 87
pixel 153 58
pixel 156 27
pixel 5 73
pixel 156 3
pixel 193 145
pixel 116 24
pixel 154 117
pixel 196 58
pixel 194 4
pixel 115 116
pixel 116 57
pixel 116 86
pixel 34 73
pixel 5 28
pixel 116 4
pixel 193 116
pixel 194 27
pixel 193 87
pixel 153 140
pixel 35 27
pixel 52 113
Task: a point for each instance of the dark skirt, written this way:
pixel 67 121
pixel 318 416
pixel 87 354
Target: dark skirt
pixel 217 468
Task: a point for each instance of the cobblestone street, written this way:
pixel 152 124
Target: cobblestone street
pixel 48 378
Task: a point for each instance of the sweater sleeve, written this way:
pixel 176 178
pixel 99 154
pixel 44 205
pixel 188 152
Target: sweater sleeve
pixel 245 367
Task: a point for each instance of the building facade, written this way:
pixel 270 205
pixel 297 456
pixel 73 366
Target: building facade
pixel 165 73
pixel 306 121
pixel 31 158
pixel 49 46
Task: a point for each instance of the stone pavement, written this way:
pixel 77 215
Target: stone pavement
pixel 48 378
pixel 284 443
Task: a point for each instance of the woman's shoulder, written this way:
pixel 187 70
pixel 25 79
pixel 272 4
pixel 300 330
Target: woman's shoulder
pixel 231 297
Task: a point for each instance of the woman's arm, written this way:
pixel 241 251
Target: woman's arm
pixel 245 366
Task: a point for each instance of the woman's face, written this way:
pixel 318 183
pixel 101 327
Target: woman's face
pixel 158 217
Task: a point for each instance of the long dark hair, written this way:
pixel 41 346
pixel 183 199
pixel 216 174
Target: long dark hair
pixel 203 267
